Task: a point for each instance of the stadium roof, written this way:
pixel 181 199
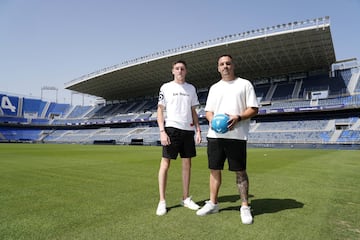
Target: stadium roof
pixel 295 47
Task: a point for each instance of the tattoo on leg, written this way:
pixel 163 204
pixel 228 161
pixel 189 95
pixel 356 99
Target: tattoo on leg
pixel 242 182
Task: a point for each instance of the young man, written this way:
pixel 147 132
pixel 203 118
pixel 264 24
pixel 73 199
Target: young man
pixel 179 99
pixel 235 97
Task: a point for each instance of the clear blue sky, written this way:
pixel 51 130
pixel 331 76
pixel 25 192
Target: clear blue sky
pixel 51 42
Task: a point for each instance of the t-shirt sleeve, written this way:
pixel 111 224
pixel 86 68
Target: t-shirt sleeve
pixel 161 99
pixel 195 98
pixel 251 100
pixel 209 106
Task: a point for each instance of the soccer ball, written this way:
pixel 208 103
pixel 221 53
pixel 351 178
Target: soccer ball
pixel 219 123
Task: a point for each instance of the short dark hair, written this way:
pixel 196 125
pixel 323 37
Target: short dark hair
pixel 180 61
pixel 226 55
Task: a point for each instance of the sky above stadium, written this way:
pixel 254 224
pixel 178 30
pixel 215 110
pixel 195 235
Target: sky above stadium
pixel 49 43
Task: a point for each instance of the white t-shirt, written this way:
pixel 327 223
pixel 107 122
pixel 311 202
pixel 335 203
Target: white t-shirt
pixel 231 97
pixel 178 99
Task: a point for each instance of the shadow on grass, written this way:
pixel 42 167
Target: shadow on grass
pixel 258 206
pixel 232 198
pixel 174 206
pixel 262 206
pixel 271 205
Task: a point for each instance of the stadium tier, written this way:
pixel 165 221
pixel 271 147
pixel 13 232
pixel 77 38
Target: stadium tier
pixel 311 101
pixel 285 118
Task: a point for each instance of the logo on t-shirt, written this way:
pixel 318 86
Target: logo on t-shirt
pixel 161 96
pixel 181 94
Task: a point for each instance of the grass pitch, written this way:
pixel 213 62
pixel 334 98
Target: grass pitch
pixel 111 192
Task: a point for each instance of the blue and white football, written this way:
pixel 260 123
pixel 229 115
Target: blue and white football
pixel 219 123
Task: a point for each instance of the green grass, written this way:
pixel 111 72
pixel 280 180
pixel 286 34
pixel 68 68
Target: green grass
pixel 111 192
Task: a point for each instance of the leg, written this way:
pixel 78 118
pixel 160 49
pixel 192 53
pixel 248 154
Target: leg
pixel 186 174
pixel 216 158
pixel 163 171
pixel 215 182
pixel 242 182
pixel 212 206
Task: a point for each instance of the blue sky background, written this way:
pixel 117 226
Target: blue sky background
pixel 51 42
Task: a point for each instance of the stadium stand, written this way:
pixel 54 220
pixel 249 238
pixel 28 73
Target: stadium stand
pixel 316 105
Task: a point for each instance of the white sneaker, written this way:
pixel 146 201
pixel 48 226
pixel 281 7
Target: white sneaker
pixel 245 215
pixel 161 208
pixel 190 204
pixel 208 208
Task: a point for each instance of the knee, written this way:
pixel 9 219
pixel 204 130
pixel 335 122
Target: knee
pixel 241 176
pixel 165 164
pixel 186 163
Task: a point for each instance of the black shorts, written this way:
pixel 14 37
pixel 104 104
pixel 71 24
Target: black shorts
pixel 182 142
pixel 220 149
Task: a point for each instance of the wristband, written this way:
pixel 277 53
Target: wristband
pixel 239 118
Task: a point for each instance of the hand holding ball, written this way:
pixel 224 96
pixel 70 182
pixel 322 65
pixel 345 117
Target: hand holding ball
pixel 219 123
